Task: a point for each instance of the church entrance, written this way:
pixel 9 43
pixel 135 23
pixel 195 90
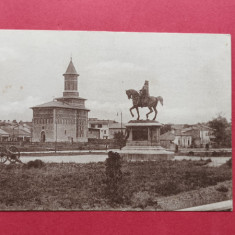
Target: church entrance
pixel 43 136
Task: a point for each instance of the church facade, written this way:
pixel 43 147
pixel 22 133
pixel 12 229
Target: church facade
pixel 65 119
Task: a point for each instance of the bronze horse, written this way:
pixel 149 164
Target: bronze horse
pixel 151 103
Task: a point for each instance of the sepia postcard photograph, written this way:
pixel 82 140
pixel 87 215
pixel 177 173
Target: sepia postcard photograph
pixel 115 121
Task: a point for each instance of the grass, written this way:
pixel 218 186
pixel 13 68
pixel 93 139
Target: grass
pixel 72 186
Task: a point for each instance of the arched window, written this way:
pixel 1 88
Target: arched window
pixel 43 136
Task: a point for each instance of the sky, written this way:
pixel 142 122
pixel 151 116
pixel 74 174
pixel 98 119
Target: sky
pixel 192 72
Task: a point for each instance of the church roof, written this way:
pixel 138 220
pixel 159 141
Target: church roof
pixel 71 69
pixel 58 104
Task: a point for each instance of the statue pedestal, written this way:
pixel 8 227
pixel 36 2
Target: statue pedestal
pixel 143 142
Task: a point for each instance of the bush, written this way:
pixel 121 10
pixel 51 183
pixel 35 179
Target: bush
pixel 206 154
pixel 214 154
pixel 222 188
pixel 113 177
pixel 119 139
pixel 35 164
pixel 167 188
pixel 10 166
pixel 191 153
pixel 202 162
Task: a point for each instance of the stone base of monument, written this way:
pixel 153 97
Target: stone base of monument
pixel 143 142
pixel 148 153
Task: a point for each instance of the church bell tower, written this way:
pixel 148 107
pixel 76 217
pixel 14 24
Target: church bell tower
pixel 71 81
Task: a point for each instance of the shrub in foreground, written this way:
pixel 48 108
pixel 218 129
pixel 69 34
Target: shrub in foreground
pixel 113 177
pixel 35 164
pixel 191 153
pixel 222 188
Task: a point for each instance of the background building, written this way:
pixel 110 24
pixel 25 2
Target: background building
pixel 192 136
pixel 65 118
pixel 101 126
pixel 15 131
pixel 104 129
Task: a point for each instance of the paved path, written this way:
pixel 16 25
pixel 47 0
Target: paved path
pixel 86 158
pixel 218 206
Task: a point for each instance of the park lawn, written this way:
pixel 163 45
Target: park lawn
pixel 72 186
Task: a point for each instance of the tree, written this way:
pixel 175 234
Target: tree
pixel 119 139
pixel 113 177
pixel 222 131
pixel 165 128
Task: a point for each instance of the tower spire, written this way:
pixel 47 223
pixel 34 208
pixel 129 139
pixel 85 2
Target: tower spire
pixel 71 69
pixel 70 81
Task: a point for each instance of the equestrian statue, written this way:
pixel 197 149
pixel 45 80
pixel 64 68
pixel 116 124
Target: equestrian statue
pixel 142 99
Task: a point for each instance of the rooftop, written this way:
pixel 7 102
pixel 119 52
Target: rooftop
pixel 14 130
pixel 58 104
pixel 180 132
pixel 2 132
pixel 97 121
pixel 167 136
pixel 117 125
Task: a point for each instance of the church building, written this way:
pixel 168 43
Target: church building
pixel 65 119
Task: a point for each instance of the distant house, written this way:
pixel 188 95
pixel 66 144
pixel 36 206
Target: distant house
pixel 4 136
pixel 104 129
pixel 101 125
pixel 182 139
pixel 24 135
pixel 13 131
pixel 201 135
pixel 192 136
pixel 175 137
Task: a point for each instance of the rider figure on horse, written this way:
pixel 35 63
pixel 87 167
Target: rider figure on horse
pixel 144 94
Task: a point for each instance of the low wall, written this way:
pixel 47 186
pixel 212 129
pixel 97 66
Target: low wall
pixel 38 146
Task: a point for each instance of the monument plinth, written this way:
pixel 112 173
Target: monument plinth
pixel 143 142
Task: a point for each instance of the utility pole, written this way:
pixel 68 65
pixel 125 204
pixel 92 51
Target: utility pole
pixel 55 135
pixel 121 121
